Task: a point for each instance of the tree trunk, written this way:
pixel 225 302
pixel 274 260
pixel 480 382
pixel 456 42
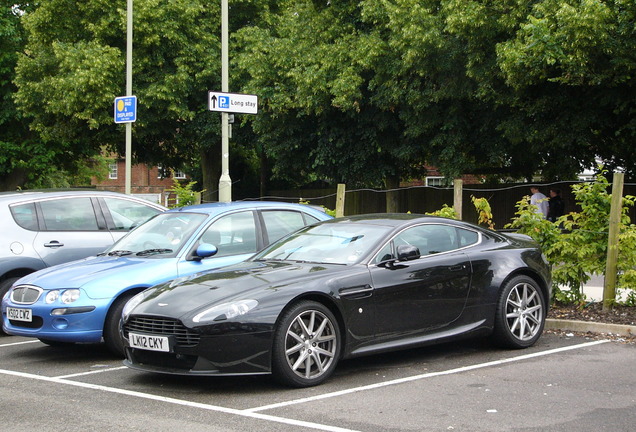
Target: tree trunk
pixel 13 180
pixel 263 169
pixel 211 172
pixel 391 183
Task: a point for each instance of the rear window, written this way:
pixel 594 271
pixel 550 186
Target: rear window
pixel 24 215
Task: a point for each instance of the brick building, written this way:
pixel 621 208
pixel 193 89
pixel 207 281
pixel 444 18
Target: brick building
pixel 149 181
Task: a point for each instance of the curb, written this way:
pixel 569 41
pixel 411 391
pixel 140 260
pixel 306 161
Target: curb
pixel 588 326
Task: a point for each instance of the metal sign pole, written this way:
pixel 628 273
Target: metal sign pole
pixel 129 48
pixel 225 182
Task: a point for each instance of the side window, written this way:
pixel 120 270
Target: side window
pixel 429 239
pixel 24 215
pixel 232 234
pixel 128 214
pixel 467 237
pixel 69 214
pixel 279 223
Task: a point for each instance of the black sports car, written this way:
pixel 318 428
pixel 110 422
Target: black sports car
pixel 339 289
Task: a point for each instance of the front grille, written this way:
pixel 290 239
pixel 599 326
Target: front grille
pixel 164 327
pixel 25 294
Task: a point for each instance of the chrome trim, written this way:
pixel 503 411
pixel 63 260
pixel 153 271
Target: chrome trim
pixel 22 291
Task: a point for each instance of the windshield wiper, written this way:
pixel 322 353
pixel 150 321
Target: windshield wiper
pixel 153 252
pixel 119 253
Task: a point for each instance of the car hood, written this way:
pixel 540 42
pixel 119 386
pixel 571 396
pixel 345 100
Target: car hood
pixel 106 270
pixel 247 280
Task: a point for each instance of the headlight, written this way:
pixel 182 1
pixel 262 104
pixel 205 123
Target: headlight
pixel 133 302
pixel 226 311
pixel 69 296
pixel 51 296
pixel 65 296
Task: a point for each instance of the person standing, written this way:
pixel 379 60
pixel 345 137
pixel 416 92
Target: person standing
pixel 539 200
pixel 556 206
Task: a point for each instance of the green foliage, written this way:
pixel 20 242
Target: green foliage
pixel 445 211
pixel 185 194
pixel 576 244
pixel 484 212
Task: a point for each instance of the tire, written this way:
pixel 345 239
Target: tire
pixel 520 315
pixel 112 338
pixel 5 285
pixel 306 345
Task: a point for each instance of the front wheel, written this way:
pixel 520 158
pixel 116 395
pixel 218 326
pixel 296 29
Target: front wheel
pixel 521 312
pixel 306 345
pixel 112 337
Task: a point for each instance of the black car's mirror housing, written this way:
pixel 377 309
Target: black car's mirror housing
pixel 407 253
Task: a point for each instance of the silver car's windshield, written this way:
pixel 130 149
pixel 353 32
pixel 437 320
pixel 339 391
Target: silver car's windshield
pixel 327 243
pixel 162 235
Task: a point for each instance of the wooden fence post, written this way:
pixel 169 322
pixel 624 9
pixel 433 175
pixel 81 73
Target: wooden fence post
pixel 340 200
pixel 457 200
pixel 609 285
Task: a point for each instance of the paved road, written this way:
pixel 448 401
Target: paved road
pixel 561 384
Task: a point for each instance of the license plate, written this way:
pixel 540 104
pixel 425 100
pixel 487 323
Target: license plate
pixel 148 342
pixel 16 314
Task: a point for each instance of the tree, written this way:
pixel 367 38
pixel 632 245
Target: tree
pixel 571 64
pixel 73 67
pixel 310 64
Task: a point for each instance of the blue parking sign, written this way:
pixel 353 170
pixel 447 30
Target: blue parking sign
pixel 125 109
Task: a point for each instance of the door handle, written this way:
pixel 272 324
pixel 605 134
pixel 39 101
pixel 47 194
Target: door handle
pixel 457 267
pixel 53 244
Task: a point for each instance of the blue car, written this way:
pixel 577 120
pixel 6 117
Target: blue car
pixel 82 301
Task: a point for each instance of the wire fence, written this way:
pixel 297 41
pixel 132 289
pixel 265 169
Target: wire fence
pixel 426 199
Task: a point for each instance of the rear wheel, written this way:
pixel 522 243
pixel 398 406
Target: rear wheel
pixel 306 345
pixel 521 311
pixel 112 337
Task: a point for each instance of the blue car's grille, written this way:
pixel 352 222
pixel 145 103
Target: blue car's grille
pixel 25 294
pixel 163 327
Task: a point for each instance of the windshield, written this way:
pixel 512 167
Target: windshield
pixel 163 235
pixel 326 244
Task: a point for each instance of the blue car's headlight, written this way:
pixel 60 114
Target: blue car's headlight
pixel 225 311
pixel 65 296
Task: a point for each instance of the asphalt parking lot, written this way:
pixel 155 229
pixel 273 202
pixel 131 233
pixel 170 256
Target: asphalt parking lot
pixel 561 384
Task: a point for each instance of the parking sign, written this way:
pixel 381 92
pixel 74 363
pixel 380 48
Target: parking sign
pixel 125 109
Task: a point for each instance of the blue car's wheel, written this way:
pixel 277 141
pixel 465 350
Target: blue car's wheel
pixel 306 345
pixel 112 337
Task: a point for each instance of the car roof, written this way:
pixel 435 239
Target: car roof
pixel 39 194
pixel 399 219
pixel 221 207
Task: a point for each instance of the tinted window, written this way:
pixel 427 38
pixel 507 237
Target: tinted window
pixel 467 237
pixel 69 214
pixel 24 215
pixel 281 222
pixel 128 214
pixel 429 239
pixel 233 234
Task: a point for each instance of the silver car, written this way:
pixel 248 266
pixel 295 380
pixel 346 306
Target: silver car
pixel 42 229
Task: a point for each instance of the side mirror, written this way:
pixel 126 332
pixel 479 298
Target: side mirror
pixel 205 250
pixel 407 253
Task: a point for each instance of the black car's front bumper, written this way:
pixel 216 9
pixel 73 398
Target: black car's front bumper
pixel 235 354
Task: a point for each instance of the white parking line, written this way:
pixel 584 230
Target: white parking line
pixel 242 413
pixel 91 372
pixel 424 376
pixel 254 412
pixel 19 343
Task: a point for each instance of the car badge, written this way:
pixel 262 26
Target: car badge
pixel 162 304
